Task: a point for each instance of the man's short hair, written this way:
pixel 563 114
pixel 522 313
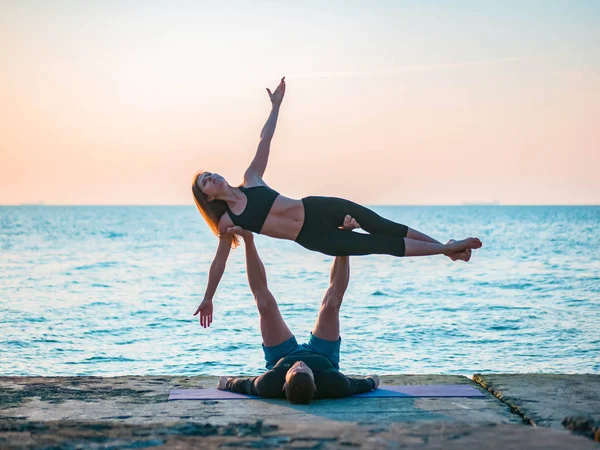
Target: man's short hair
pixel 300 388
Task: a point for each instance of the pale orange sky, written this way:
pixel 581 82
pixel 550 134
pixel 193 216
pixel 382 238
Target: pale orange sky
pixel 106 103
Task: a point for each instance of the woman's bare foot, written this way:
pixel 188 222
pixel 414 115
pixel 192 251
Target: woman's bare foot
pixel 465 255
pixel 459 246
pixel 350 223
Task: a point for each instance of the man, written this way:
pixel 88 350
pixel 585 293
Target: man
pixel 306 371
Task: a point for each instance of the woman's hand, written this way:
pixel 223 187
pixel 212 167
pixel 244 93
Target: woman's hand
pixel 245 234
pixel 277 96
pixel 206 312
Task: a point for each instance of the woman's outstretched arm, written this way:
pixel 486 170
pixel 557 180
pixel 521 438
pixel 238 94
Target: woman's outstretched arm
pixel 259 163
pixel 214 276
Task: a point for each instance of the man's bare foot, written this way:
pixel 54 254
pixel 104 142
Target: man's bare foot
pixel 350 223
pixel 459 246
pixel 465 255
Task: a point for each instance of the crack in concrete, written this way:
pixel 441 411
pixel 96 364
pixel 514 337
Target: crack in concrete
pixel 515 409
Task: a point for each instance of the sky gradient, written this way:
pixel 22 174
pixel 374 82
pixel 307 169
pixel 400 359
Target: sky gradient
pixel 394 103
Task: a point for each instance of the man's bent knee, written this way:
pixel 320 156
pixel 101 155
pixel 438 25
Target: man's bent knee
pixel 332 302
pixel 265 302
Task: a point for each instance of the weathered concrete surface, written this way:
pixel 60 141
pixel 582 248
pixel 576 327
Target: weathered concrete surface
pixel 553 400
pixel 144 399
pixel 98 412
pixel 550 400
pixel 184 435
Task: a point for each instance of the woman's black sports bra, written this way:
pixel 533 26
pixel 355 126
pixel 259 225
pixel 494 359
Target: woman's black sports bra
pixel 260 201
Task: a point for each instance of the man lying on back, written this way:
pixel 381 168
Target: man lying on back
pixel 300 372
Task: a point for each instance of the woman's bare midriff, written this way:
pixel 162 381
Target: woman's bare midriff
pixel 285 219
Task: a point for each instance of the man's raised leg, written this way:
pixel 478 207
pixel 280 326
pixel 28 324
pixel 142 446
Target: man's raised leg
pixel 327 325
pixel 273 328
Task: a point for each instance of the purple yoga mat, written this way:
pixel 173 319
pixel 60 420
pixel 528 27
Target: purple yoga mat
pixel 429 390
pixel 426 390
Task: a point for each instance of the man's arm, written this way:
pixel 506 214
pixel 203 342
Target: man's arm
pixel 334 384
pixel 268 385
pixel 240 385
pixel 360 385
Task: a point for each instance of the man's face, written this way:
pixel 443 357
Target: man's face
pixel 298 367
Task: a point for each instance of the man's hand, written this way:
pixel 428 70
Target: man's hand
pixel 350 223
pixel 206 312
pixel 375 379
pixel 222 384
pixel 277 96
pixel 245 234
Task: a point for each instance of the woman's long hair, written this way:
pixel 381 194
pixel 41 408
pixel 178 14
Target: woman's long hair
pixel 211 211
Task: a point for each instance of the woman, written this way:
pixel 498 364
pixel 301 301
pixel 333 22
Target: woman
pixel 313 222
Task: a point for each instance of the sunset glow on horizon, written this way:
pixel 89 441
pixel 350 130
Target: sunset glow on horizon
pixel 387 103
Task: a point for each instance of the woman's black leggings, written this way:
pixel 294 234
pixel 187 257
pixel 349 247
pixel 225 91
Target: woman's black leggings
pixel 324 215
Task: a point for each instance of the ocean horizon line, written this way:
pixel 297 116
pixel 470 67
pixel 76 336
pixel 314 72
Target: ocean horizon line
pixel 140 205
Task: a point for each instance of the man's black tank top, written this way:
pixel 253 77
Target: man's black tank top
pixel 260 201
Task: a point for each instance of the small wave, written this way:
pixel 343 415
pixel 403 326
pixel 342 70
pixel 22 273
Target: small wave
pixel 449 309
pixel 65 350
pixel 98 265
pixel 138 340
pixel 109 359
pixel 100 285
pixel 379 294
pixel 211 363
pixel 506 308
pixel 504 328
pixel 34 319
pixel 233 347
pixel 372 307
pixel 113 234
pixel 16 344
pixel 515 286
pixel 100 304
pixel 98 332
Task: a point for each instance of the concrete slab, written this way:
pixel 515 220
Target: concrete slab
pixel 546 400
pixel 144 400
pixel 186 435
pixel 94 412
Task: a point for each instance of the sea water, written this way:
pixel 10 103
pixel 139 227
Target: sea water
pixel 111 291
